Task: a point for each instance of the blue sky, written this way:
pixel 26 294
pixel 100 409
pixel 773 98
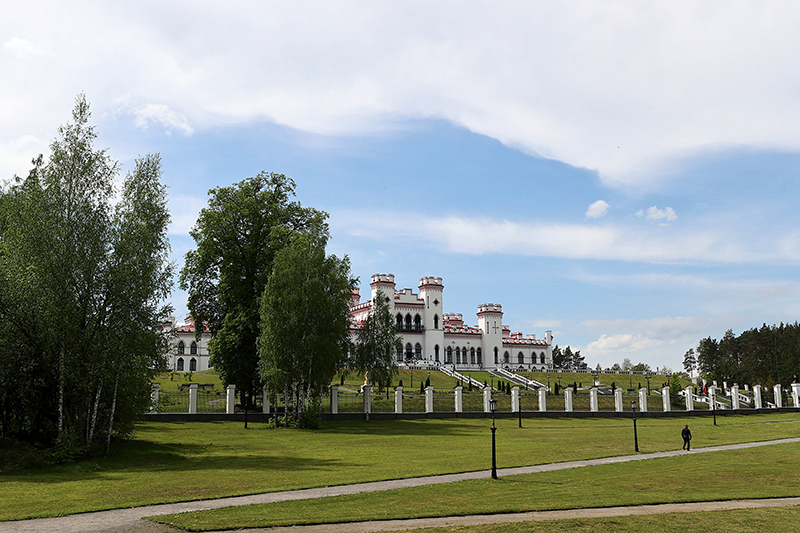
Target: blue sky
pixel 624 174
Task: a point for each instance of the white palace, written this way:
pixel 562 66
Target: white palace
pixel 432 336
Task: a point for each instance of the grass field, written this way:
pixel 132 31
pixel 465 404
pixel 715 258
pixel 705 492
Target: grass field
pixel 736 474
pixel 168 462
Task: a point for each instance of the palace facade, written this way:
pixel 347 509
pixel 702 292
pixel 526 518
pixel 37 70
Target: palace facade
pixel 432 336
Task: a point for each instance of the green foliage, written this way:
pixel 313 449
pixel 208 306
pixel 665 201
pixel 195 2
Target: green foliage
pixel 377 343
pixel 304 321
pixel 82 291
pixel 238 236
pixel 766 355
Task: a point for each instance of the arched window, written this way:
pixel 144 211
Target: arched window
pixel 192 365
pixel 418 351
pixel 480 357
pixel 193 348
pixel 436 353
pixel 449 355
pixel 417 323
pixel 520 358
pixel 408 322
pixel 409 353
pixel 399 322
pixel 400 353
pixel 505 357
pixel 181 348
pixel 458 355
pixel 496 361
pixel 542 358
pixel 435 321
pixel 180 364
pixel 472 356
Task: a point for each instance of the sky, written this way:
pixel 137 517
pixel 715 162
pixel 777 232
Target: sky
pixel 625 174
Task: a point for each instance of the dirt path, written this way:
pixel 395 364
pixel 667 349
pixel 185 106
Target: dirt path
pixel 130 519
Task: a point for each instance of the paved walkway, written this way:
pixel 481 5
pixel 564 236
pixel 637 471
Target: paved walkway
pixel 130 519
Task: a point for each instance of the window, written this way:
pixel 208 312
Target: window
pixel 436 353
pixel 192 365
pixel 495 355
pixel 180 364
pixel 505 357
pixel 181 348
pixel 520 358
pixel 472 356
pixel 480 358
pixel 449 356
pixel 418 351
pixel 409 354
pixel 399 322
pixel 542 358
pixel 417 323
pixel 193 348
pixel 408 322
pixel 435 321
pixel 400 353
pixel 458 355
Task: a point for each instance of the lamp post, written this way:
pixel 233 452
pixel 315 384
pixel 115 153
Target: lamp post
pixel 493 408
pixel 714 404
pixel 559 380
pixel 244 400
pixel 595 375
pixel 647 376
pixel 548 382
pixel 635 434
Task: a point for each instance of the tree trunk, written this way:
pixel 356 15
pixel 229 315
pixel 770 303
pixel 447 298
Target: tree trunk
pixel 111 415
pixel 94 415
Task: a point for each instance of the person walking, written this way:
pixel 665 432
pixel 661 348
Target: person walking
pixel 687 437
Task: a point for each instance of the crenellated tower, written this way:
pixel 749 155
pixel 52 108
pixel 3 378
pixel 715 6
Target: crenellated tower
pixel 490 321
pixel 430 292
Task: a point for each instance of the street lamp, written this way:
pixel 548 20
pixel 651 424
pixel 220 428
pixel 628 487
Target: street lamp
pixel 595 375
pixel 559 380
pixel 548 381
pixel 493 408
pixel 647 376
pixel 635 434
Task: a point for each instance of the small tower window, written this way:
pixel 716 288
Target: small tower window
pixel 436 353
pixel 435 321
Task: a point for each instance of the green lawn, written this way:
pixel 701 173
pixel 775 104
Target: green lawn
pixel 168 462
pixel 752 473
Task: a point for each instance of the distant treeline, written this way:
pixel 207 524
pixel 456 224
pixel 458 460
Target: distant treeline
pixel 765 355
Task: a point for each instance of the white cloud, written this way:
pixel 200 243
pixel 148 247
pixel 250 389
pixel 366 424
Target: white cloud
pixel 597 209
pixel 621 87
pixel 664 216
pixel 477 236
pixel 161 114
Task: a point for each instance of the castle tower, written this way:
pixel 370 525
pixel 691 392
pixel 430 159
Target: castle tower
pixel 490 320
pixel 385 283
pixel 430 292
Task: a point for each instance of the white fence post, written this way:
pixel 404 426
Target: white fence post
pixel 665 406
pixel 689 390
pixel 618 400
pixel 429 399
pixel 334 399
pixel 230 400
pixel 542 400
pixel 568 399
pixel 593 399
pixel 265 401
pixel 398 399
pixel 515 407
pixel 193 398
pixel 643 400
pixel 459 398
pixel 757 401
pixel 154 393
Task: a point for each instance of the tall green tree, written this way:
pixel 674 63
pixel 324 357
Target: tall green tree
pixel 304 322
pixel 377 343
pixel 238 236
pixel 82 291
